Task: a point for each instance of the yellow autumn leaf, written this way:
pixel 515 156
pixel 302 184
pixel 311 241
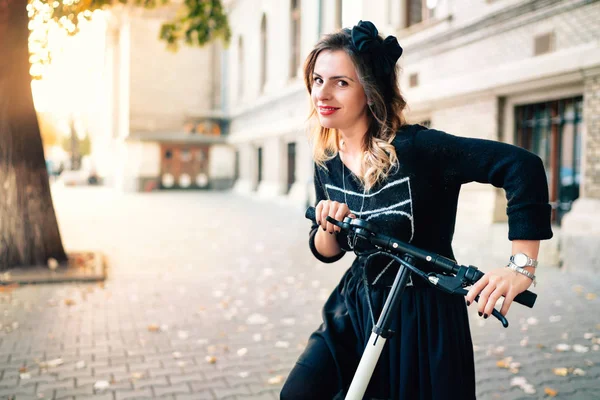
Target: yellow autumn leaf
pixel 276 380
pixel 560 371
pixel 153 328
pixel 550 392
pixel 590 296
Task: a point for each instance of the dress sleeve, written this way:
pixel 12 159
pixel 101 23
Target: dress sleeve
pixel 519 172
pixel 320 195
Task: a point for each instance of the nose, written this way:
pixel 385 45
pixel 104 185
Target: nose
pixel 323 93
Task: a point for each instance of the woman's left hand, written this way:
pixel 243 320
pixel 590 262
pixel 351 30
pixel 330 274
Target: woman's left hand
pixel 494 284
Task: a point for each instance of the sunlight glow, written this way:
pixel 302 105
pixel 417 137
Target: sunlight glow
pixel 71 82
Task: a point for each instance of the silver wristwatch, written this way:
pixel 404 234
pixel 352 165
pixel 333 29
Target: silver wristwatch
pixel 522 260
pixel 522 271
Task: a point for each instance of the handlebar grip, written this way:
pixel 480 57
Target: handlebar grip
pixel 526 298
pixel 310 213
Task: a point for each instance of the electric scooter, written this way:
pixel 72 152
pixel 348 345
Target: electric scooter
pixel 452 279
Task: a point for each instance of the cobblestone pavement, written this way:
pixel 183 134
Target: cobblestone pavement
pixel 213 295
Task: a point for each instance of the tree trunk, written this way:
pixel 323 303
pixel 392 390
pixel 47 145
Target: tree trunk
pixel 29 233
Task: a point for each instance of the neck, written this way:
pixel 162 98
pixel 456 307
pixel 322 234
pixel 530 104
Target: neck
pixel 352 142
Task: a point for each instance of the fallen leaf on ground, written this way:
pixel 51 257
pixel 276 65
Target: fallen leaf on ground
pixel 183 335
pixel 282 344
pixel 211 359
pixel 242 352
pixel 504 363
pixel 578 288
pixel 580 349
pixel 532 321
pixel 590 296
pixel 244 374
pixel 578 372
pixel 70 302
pixel 555 318
pixel 25 375
pixel 22 370
pixel 257 319
pixel 560 371
pixel 276 380
pixel 562 347
pixel 137 375
pixel 52 264
pixel 101 385
pixel 177 355
pixel 153 328
pixel 550 392
pixel 80 364
pixel 8 288
pixel 51 364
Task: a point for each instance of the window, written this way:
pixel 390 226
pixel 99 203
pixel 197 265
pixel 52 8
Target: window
pixel 263 53
pixel 295 35
pixel 240 68
pixel 552 130
pixel 419 10
pixel 544 44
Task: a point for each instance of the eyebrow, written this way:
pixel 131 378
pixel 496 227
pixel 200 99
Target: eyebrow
pixel 336 77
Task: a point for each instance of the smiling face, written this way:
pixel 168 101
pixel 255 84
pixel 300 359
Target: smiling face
pixel 337 95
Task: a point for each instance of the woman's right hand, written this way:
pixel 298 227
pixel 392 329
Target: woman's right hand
pixel 333 209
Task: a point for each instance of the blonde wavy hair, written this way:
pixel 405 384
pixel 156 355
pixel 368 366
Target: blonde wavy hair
pixel 385 113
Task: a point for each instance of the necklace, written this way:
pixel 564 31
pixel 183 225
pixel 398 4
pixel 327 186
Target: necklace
pixel 353 243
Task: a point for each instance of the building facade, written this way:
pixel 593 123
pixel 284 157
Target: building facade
pixel 525 72
pixel 165 123
pixel 521 72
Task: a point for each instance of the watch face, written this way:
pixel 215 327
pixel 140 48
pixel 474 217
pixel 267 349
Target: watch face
pixel 520 260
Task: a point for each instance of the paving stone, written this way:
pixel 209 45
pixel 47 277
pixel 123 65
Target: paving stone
pixel 99 396
pixel 134 394
pixel 63 385
pixel 75 392
pixel 205 395
pixel 171 389
pixel 174 274
pixel 222 393
pixel 150 381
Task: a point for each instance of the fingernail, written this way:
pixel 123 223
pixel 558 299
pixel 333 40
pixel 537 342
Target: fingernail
pixel 485 316
pixel 480 314
pixel 468 303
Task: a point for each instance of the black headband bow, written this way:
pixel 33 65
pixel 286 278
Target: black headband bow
pixel 384 55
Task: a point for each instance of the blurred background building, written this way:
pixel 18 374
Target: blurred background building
pixel 521 72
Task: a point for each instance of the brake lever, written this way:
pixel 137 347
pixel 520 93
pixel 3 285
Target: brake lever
pixel 454 285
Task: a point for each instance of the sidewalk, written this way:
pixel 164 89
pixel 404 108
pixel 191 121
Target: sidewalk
pixel 213 296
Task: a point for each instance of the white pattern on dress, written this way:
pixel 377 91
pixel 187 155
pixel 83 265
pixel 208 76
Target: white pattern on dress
pixel 392 209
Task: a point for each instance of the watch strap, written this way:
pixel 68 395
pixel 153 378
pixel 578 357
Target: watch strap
pixel 522 271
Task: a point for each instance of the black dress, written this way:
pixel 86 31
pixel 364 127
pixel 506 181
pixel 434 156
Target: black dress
pixel 431 354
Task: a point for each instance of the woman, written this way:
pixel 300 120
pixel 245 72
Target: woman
pixel 406 179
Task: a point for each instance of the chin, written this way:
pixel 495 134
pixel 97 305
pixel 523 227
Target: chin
pixel 327 124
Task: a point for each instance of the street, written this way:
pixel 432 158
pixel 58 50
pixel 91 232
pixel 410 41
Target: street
pixel 212 295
